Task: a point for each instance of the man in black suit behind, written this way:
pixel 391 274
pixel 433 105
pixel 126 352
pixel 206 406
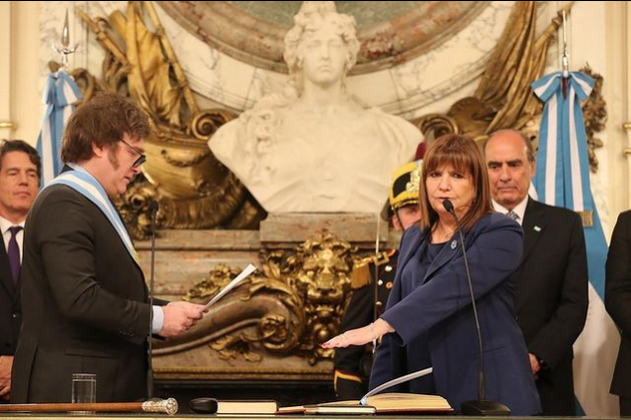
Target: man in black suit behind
pixel 19 180
pixel 84 298
pixel 551 293
pixel 618 304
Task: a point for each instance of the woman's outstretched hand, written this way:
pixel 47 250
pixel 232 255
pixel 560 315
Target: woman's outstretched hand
pixel 356 337
pixel 359 336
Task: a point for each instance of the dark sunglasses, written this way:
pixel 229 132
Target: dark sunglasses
pixel 141 158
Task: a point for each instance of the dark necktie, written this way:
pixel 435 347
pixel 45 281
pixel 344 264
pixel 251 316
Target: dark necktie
pixel 14 253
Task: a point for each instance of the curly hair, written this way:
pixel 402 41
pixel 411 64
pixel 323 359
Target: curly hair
pixel 312 15
pixel 102 121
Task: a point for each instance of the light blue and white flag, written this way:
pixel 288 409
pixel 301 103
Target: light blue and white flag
pixel 60 96
pixel 562 179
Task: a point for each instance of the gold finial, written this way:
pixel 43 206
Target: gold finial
pixel 566 58
pixel 65 50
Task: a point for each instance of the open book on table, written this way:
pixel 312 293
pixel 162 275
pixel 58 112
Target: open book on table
pixel 388 402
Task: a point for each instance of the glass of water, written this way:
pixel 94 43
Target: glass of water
pixel 84 389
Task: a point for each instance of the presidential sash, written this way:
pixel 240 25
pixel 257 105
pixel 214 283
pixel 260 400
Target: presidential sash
pixel 85 184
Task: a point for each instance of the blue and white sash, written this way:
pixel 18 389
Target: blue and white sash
pixel 84 183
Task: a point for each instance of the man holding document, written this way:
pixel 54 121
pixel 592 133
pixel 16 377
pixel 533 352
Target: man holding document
pixel 84 297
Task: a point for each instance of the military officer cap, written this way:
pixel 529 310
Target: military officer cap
pixel 405 185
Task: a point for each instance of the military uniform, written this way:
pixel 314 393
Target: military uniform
pixel 353 363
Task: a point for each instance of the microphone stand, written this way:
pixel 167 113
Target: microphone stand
pixel 375 279
pixel 479 407
pixel 153 210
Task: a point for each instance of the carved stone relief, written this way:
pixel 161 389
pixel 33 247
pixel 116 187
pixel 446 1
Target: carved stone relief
pixel 281 314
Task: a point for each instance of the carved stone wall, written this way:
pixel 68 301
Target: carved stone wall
pixel 270 327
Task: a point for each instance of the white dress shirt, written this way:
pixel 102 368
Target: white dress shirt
pixel 519 210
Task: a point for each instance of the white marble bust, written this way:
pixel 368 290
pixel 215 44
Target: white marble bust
pixel 313 148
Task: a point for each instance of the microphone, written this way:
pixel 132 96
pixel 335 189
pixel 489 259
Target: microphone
pixel 153 211
pixel 479 407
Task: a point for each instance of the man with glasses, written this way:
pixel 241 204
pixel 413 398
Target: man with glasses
pixel 84 298
pixel 141 156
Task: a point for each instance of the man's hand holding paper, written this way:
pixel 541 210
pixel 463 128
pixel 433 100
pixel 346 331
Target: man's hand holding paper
pixel 179 317
pixel 234 283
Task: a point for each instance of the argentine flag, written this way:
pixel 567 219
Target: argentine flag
pixel 60 96
pixel 562 179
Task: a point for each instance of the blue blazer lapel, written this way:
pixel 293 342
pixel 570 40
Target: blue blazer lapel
pixel 412 238
pixel 446 254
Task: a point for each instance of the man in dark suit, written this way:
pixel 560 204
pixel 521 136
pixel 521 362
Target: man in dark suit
pixel 19 181
pixel 352 364
pixel 618 304
pixel 551 292
pixel 84 298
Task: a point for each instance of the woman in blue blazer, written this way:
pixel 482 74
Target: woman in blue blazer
pixel 429 317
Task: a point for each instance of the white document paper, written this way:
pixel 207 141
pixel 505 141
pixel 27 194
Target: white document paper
pixel 396 381
pixel 242 275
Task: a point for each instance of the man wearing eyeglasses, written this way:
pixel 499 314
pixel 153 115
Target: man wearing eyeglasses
pixel 84 298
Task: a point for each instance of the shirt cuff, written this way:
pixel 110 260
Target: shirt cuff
pixel 158 319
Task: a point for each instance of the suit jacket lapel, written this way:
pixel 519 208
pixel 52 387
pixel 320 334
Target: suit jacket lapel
pixel 416 236
pixel 85 184
pixel 446 254
pixel 5 272
pixel 421 239
pixel 533 226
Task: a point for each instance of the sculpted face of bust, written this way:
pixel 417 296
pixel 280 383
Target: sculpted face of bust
pixel 323 55
pixel 319 22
